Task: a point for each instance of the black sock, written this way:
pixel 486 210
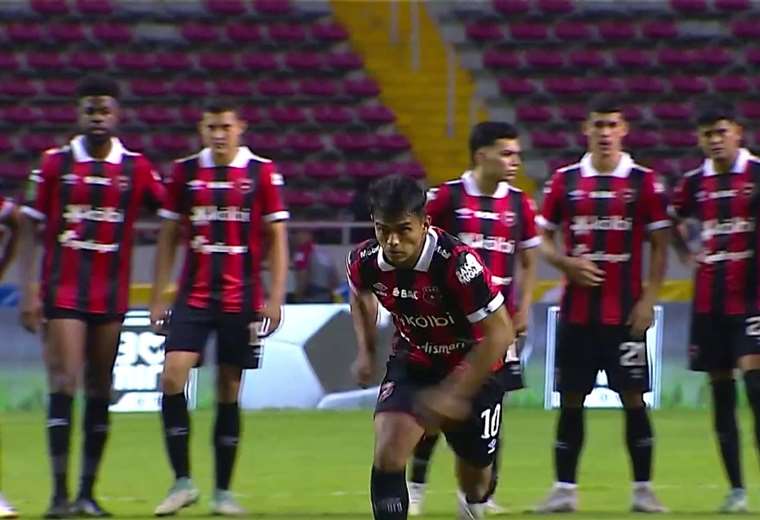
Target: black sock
pixel 494 472
pixel 226 437
pixel 95 436
pixel 177 432
pixel 752 385
pixel 421 458
pixel 390 498
pixel 639 438
pixel 567 449
pixel 59 430
pixel 726 429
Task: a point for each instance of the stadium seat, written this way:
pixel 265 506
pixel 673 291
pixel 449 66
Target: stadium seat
pixel 286 33
pixel 49 60
pixel 689 7
pixel 272 7
pixel 572 31
pixel 217 61
pixel 65 33
pixel 18 87
pixel 287 115
pixel 226 7
pixel 190 115
pixel 320 88
pixel 679 138
pixel 199 33
pixel 712 58
pixel 368 169
pixel 5 144
pixel 352 143
pixel 409 168
pixel 756 139
pixel 340 198
pixel 49 8
pixel 732 5
pixel 391 143
pixel 8 61
pixel 747 29
pixel 731 84
pixel 112 33
pixel 750 109
pixel 556 7
pixel 173 61
pixel 290 170
pixel 23 33
pixel 133 141
pixel 375 114
pixel 171 144
pixel 14 171
pixel 88 61
pixel 304 61
pixel 243 33
pixel 602 84
pixel 671 111
pixel 529 31
pixel 276 87
pixel 252 115
pixel 511 7
pixel 688 85
pixel 514 86
pixel 587 58
pixel 94 7
pixel 688 163
pixel 645 85
pixel 233 87
pixel 37 142
pixel 484 32
pixel 544 59
pixel 363 87
pixel 561 86
pixel 134 61
pixel 299 199
pixel 533 114
pixel 548 140
pixel 259 62
pixel 641 139
pixel 322 170
pixel 155 115
pixel 329 32
pixel 632 58
pixel 659 30
pixel 21 115
pixel 343 61
pixel 753 56
pixel 148 87
pixel 616 31
pixel 574 113
pixel 495 58
pixel 190 87
pixel 59 114
pixel 59 87
pixel 266 144
pixel 672 57
pixel 661 166
pixel 332 115
pixel 632 113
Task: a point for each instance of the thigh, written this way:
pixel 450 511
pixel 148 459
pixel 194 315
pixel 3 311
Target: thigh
pixel 102 348
pixel 396 435
pixel 476 440
pixel 746 341
pixel 189 329
pixel 625 359
pixel 577 359
pixel 228 379
pixel 398 392
pixel 237 342
pixel 711 344
pixel 64 346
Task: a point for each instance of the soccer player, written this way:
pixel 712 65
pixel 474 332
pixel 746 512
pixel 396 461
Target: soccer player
pixel 606 206
pixel 452 333
pixel 484 211
pixel 723 196
pixel 229 201
pixel 87 195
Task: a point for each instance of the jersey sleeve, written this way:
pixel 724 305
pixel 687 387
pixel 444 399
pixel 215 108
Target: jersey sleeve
pixel 155 191
pixel 682 202
pixel 39 188
pixel 270 194
pixel 353 273
pixel 655 203
pixel 470 280
pixel 173 204
pixel 551 212
pixel 438 206
pixel 529 238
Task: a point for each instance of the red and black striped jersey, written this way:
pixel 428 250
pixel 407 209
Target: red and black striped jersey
pixel 224 209
pixel 497 226
pixel 436 306
pixel 605 218
pixel 89 208
pixel 727 207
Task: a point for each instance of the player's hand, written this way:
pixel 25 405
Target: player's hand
pixel 687 258
pixel 273 311
pixel 363 370
pixel 31 313
pixel 520 322
pixel 583 272
pixel 440 406
pixel 641 318
pixel 158 315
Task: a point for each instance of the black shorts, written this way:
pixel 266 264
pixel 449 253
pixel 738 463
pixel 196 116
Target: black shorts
pixel 583 350
pixel 476 439
pixel 717 341
pixel 91 318
pixel 512 373
pixel 236 342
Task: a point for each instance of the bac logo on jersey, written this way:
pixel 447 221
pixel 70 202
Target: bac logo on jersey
pixel 385 391
pixel 629 194
pixel 509 218
pixel 748 190
pixel 405 294
pixel 469 269
pixel 123 182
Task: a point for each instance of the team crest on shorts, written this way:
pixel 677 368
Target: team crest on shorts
pixel 385 391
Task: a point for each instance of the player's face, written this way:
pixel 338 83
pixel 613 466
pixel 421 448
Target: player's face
pixel 221 132
pixel 501 160
pixel 605 133
pixel 98 117
pixel 401 238
pixel 721 140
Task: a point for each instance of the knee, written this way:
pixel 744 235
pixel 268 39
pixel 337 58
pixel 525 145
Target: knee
pixel 173 381
pixel 478 486
pixel 572 400
pixel 632 400
pixel 98 385
pixel 63 382
pixel 387 458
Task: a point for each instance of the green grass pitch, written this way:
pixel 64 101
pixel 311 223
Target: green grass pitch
pixel 303 465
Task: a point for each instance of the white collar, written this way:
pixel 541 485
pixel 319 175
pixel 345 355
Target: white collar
pixel 423 263
pixel 79 150
pixel 243 155
pixel 739 166
pixel 622 170
pixel 471 187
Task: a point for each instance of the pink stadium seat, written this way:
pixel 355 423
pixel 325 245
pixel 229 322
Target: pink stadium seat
pixel 555 7
pixel 753 56
pixel 21 115
pixel 581 140
pixel 134 61
pixel 133 142
pixel 235 87
pixel 304 61
pixel 671 111
pixel 287 115
pixel 259 62
pixel 572 31
pixel 190 115
pixel 617 31
pixel 226 7
pixel 602 84
pixel 50 7
pixel 679 138
pixel 88 61
pixel 174 61
pixel 366 169
pixel 148 87
pixel 341 198
pixel 689 6
pixel 632 113
pixel 244 33
pixel 323 170
pixel 750 109
pixel 23 33
pixel 533 114
pixel 363 87
pixel 50 60
pixel 645 85
pixel 511 7
pixel 59 114
pixel 409 168
pixel 529 31
pixel 299 199
pixel 587 58
pixel 573 113
pixel 563 86
pixel 659 29
pixel 59 87
pixel 344 61
pixel 5 144
pixel 514 86
pixel 484 32
pixel 321 88
pixel 714 57
pixel 38 142
pixel 329 32
pixel 732 5
pixel 746 29
pixel 641 139
pixel 688 163
pixel 265 144
pixel 252 114
pixel 276 87
pixel 544 59
pixel 199 33
pixel 94 7
pixel 376 114
pixel 500 59
pixel 392 143
pixel 287 33
pixel 332 115
pixel 66 33
pixel 352 143
pixel 272 7
pixel 8 61
pixel 112 33
pixel 688 85
pixel 629 58
pixel 671 57
pixel 155 115
pixel 171 144
pixel 217 61
pixel 17 171
pixel 731 84
pixel 17 86
pixel 549 140
pixel 290 170
pixel 662 166
pixel 190 87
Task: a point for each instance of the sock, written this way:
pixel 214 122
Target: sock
pixel 752 385
pixel 177 432
pixel 638 436
pixel 59 430
pixel 95 436
pixel 569 442
pixel 726 429
pixel 390 498
pixel 421 458
pixel 494 473
pixel 226 437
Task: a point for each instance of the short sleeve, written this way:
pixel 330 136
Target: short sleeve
pixel 529 238
pixel 438 202
pixel 269 194
pixel 353 273
pixel 39 188
pixel 682 202
pixel 551 212
pixel 155 191
pixel 655 203
pixel 174 193
pixel 470 280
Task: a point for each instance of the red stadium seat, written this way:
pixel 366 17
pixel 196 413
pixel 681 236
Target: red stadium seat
pixel 750 109
pixel 587 58
pixel 712 58
pixel 484 32
pixel 88 61
pixel 392 143
pixel 318 88
pixel 38 142
pixel 544 59
pixel 564 86
pixel 133 142
pixel 8 62
pixel 679 138
pixel 645 85
pixel 59 114
pixel 226 7
pixel 190 87
pixel 376 114
pixel 272 7
pixel 671 111
pixel 500 59
pixel 199 33
pixel 513 87
pixel 155 115
pixel 276 87
pixel 659 29
pixel 266 144
pixel 21 115
pixel 286 33
pixel 171 144
pixel 689 6
pixel 134 61
pixel 94 7
pixel 617 31
pixel 368 169
pixel 732 5
pixel 548 140
pixel 190 115
pixel 50 7
pixel 529 31
pixel 757 138
pixel 352 143
pixel 290 170
pixel 252 115
pixel 304 61
pixel 341 198
pixel 629 58
pixel 18 87
pixel 753 56
pixel 602 84
pixel 688 85
pixel 259 62
pixel 66 33
pixel 689 163
pixel 148 87
pixel 299 199
pixel 59 87
pixel 555 7
pixel 5 144
pixel 533 114
pixel 287 115
pixel 575 113
pixel 235 87
pixel 15 171
pixel 244 33
pixel 641 139
pixel 511 7
pixel 329 32
pixel 23 33
pixel 112 33
pixel 363 87
pixel 632 113
pixel 174 61
pixel 344 61
pixel 217 61
pixel 671 57
pixel 49 60
pixel 409 168
pixel 323 170
pixel 572 31
pixel 332 115
pixel 731 84
pixel 747 29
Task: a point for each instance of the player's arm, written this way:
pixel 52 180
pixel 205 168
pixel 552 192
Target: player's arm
pixel 438 208
pixel 364 309
pixel 528 274
pixel 9 217
pixel 579 271
pixel 166 251
pixel 680 211
pixel 277 259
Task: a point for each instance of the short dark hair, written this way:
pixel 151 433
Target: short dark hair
pixel 488 132
pixel 98 86
pixel 219 106
pixel 605 105
pixel 713 109
pixel 395 196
